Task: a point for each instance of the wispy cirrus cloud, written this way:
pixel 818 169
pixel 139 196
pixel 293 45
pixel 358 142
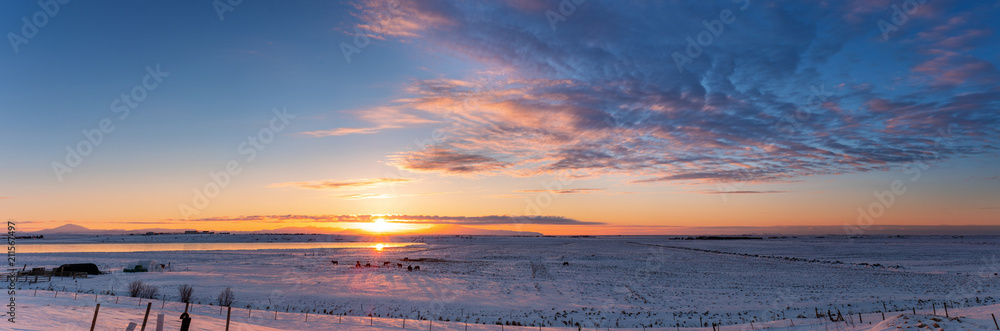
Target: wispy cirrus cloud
pixel 347 131
pixel 357 184
pixel 566 191
pixel 363 196
pixel 411 219
pixel 383 118
pixel 743 192
pixel 600 97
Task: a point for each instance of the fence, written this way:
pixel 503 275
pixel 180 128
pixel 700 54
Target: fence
pixel 275 318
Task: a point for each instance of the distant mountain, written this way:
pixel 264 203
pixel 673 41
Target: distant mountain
pixel 77 229
pixel 70 229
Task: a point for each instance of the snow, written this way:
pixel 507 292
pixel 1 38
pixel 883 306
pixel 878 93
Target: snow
pixel 599 282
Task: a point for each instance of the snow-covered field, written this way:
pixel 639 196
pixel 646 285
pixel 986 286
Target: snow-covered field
pixel 598 282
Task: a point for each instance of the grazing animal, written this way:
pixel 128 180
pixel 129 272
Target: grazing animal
pixel 358 264
pixel 335 262
pixel 565 263
pixel 368 265
pixel 409 268
pixel 386 263
pixel 416 268
pixel 399 265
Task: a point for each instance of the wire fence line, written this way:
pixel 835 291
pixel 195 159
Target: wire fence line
pixel 268 317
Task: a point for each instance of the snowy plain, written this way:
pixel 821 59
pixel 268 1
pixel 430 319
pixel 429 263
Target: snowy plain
pixel 596 282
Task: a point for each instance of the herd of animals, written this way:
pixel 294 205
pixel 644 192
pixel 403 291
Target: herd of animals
pixel 385 264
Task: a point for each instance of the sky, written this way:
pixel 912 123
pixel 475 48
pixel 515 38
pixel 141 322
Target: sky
pixel 562 117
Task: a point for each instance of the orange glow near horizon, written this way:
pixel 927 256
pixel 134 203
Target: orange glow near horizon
pixel 379 247
pixel 380 225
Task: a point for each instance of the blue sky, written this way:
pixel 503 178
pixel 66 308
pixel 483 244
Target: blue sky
pixel 810 100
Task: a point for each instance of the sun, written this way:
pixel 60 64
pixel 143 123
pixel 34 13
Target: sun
pixel 379 225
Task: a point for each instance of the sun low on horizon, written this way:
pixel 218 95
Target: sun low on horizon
pixel 381 225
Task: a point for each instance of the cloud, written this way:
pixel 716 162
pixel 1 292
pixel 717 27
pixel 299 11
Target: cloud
pixel 411 219
pixel 346 131
pixel 383 117
pixel 566 191
pixel 357 184
pixel 362 196
pixel 765 102
pixel 441 159
pixel 743 192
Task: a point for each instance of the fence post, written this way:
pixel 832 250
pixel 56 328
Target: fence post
pixel 946 310
pixel 995 321
pixel 146 318
pixel 94 321
pixel 159 322
pixel 229 311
